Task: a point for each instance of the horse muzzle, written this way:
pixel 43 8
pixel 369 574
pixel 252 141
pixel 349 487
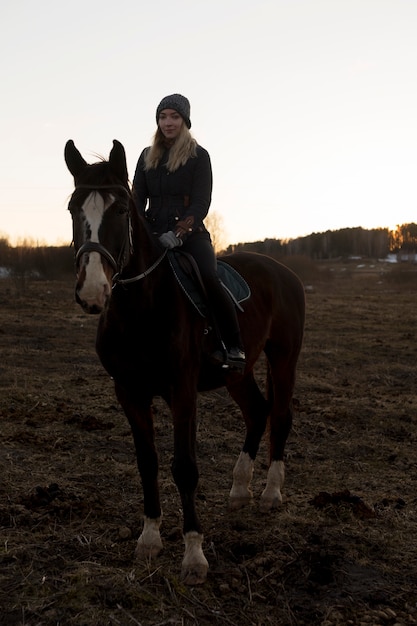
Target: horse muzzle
pixel 92 295
pixel 92 308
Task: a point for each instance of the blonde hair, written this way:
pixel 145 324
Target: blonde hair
pixel 184 148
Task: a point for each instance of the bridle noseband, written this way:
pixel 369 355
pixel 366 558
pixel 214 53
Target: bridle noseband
pixel 94 246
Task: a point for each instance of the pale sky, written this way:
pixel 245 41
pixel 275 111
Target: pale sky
pixel 307 107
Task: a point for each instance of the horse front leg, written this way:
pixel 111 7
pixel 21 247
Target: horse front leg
pixel 139 415
pixel 185 473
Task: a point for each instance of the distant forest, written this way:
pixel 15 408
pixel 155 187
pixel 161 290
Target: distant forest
pixel 376 243
pixel 54 261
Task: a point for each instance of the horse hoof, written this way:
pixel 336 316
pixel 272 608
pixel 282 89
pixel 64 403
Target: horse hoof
pixel 269 504
pixel 235 504
pixel 149 544
pixel 194 575
pixel 194 566
pixel 271 497
pixel 145 551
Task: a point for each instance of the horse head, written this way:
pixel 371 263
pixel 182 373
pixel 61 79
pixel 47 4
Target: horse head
pixel 100 210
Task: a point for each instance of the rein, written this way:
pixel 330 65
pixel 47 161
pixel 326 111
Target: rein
pixel 127 281
pixel 93 246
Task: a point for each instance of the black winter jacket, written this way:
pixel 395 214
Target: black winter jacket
pixel 165 198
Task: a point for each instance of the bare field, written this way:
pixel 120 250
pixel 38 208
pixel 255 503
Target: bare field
pixel 343 548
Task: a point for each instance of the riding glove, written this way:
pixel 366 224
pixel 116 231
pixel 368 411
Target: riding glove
pixel 170 240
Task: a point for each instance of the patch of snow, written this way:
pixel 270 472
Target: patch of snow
pixel 391 258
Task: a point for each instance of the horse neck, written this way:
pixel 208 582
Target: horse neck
pixel 145 248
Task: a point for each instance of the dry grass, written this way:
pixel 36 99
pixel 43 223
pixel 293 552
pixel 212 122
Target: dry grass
pixel 343 549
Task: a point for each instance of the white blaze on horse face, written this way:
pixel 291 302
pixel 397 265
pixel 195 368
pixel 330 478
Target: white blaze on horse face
pixel 96 287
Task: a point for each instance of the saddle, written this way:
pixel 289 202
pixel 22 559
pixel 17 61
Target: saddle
pixel 187 274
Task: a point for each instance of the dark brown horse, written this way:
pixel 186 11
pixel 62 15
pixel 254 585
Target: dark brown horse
pixel 152 342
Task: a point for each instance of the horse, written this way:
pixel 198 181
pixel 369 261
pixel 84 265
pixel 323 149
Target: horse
pixel 152 342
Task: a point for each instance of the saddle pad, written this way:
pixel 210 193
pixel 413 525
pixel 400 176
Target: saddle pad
pixel 231 280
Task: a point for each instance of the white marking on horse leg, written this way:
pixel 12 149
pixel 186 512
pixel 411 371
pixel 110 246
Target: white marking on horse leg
pixel 271 496
pixel 194 565
pixel 241 493
pixel 149 543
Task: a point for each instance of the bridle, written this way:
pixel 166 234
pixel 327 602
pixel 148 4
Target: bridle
pixel 94 246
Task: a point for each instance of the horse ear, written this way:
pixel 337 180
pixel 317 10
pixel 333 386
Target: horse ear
pixel 117 160
pixel 75 162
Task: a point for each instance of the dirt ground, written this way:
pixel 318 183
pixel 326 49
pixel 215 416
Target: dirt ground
pixel 343 548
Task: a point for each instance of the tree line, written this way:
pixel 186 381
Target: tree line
pixel 52 262
pixel 374 243
pixel 29 259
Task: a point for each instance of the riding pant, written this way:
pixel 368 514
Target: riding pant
pixel 200 247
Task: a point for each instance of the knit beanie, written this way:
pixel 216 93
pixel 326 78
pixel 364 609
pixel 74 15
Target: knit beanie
pixel 178 103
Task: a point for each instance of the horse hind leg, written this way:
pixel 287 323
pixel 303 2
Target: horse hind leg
pixel 281 378
pixel 241 492
pixel 254 409
pixel 271 496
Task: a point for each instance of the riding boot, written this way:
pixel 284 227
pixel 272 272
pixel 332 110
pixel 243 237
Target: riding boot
pixel 232 353
pixel 223 309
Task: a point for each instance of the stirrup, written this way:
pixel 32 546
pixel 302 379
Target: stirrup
pixel 236 359
pixel 233 359
pixel 219 357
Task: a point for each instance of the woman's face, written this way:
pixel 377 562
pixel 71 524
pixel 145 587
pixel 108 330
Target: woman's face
pixel 170 123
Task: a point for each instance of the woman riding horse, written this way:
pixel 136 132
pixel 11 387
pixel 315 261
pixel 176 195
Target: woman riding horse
pixel 174 177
